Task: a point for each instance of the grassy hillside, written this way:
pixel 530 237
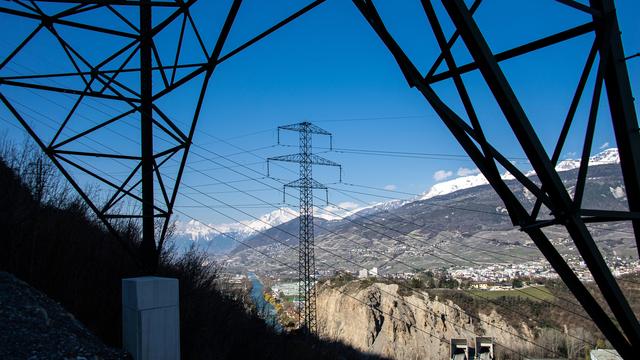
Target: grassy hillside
pixel 534 293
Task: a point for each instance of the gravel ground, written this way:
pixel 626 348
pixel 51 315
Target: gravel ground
pixel 34 327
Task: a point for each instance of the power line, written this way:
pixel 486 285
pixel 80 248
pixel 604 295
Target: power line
pixel 410 266
pixel 408 288
pixel 235 191
pixel 409 154
pixel 333 205
pixel 441 249
pixel 399 117
pixel 246 206
pixel 427 204
pixel 361 225
pixel 205 174
pixel 332 254
pixel 375 230
pixel 441 339
pixel 239 190
pixel 396 296
pixel 443 259
pixel 441 229
pixel 595 226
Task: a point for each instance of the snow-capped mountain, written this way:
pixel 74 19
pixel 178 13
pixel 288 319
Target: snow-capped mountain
pixel 608 156
pixel 222 238
pixel 381 206
pixel 266 221
pixel 466 218
pixel 219 238
pixel 447 187
pixel 195 230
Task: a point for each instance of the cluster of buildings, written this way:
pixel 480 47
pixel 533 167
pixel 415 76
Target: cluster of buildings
pixel 286 289
pixel 505 272
pixel 497 273
pixel 488 276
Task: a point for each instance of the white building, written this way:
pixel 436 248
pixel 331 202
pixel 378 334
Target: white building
pixel 363 273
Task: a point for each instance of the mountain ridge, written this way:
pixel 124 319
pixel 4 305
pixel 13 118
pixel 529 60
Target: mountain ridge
pixel 471 223
pixel 219 239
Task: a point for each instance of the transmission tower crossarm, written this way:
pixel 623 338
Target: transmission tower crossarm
pixel 296 158
pixel 312 159
pixel 313 184
pixel 305 126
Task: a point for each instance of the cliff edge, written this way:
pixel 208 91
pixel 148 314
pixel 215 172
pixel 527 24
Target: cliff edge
pixel 376 319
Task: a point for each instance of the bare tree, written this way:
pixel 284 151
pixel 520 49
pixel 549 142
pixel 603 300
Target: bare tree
pixel 577 342
pixel 37 172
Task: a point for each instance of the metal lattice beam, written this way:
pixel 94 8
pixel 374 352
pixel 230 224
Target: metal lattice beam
pixel 564 209
pixel 109 79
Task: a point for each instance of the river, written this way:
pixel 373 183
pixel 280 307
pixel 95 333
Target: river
pixel 257 290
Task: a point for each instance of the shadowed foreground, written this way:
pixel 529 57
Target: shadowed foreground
pixel 51 242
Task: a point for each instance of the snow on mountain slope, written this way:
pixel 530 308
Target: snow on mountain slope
pixel 447 187
pixel 608 156
pixel 195 230
pixel 267 221
pixel 381 206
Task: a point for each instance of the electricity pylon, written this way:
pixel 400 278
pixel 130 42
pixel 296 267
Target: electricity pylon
pixel 306 184
pixel 555 204
pixel 125 87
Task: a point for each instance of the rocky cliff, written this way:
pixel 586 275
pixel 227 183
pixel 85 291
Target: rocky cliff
pixel 376 319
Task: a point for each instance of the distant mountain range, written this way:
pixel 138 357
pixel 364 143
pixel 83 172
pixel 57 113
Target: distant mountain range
pixel 450 214
pixel 219 239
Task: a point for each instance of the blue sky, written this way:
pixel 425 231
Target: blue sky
pixel 328 67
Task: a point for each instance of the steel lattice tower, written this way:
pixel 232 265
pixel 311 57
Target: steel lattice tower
pixel 132 81
pixel 306 184
pixel 555 206
pixel 99 74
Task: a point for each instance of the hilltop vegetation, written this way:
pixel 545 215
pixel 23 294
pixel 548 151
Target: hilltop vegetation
pixel 52 242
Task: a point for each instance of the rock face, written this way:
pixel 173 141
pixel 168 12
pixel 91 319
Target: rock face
pixel 32 326
pixel 378 320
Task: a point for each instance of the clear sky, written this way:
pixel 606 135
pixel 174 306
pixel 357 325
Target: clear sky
pixel 328 67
